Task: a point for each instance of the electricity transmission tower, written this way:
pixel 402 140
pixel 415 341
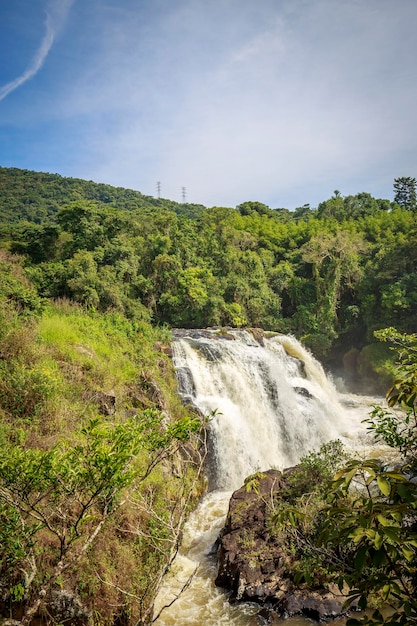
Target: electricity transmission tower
pixel 184 194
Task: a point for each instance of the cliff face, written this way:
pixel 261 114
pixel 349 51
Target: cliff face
pixel 253 562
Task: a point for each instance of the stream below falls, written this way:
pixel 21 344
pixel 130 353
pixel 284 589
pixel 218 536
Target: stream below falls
pixel 273 403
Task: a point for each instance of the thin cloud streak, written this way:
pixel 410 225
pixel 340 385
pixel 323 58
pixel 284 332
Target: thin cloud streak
pixel 55 19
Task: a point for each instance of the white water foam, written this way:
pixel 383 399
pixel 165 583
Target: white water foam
pixel 274 404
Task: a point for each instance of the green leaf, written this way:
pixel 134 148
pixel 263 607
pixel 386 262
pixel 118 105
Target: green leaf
pixel 393 533
pixel 360 557
pixel 363 602
pixel 409 554
pixel 383 520
pixel 379 558
pixel 377 614
pixel 384 485
pixel 349 476
pixel 396 476
pixel 378 540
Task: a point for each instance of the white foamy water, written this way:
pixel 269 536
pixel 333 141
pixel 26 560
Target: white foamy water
pixel 274 403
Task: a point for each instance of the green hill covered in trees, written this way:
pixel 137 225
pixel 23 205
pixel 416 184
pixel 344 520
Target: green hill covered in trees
pixel 35 196
pixel 330 275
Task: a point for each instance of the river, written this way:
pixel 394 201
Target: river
pixel 273 403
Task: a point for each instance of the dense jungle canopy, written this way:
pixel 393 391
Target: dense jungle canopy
pixel 330 275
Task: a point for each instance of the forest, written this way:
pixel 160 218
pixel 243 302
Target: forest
pixel 92 279
pixel 331 275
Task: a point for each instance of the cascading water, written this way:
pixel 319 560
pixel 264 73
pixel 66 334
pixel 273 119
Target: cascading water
pixel 270 404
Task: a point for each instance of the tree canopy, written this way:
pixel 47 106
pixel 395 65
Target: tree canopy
pixel 330 275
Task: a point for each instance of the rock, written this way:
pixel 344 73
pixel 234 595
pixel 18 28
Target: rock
pixel 160 347
pixel 249 562
pixel 304 392
pixel 253 564
pixel 257 334
pixel 66 607
pixel 106 402
pixel 318 605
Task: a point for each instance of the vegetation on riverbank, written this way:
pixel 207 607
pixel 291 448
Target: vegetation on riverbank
pixel 99 460
pixel 357 526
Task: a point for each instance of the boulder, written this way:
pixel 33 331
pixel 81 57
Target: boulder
pixel 253 562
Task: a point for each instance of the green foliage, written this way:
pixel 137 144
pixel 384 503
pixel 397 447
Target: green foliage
pixel 374 509
pixel 316 469
pixel 71 480
pixel 331 276
pixel 375 367
pixel 70 490
pixel 335 262
pixel 405 192
pixel 16 291
pixel 35 196
pixel 252 482
pixel 351 207
pixel 298 512
pixel 24 389
pixel 399 429
pixel 374 515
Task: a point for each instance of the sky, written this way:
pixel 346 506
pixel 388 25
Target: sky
pixel 218 101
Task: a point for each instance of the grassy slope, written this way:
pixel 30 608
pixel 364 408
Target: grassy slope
pixel 59 367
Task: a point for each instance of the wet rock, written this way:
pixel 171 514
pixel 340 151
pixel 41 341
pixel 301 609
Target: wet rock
pixel 303 392
pixel 253 564
pixel 258 335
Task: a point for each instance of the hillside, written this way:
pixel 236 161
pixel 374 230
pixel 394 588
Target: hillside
pixel 36 196
pixel 330 275
pixel 99 461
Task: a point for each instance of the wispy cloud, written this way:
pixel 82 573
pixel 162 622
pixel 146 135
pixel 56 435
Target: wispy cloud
pixel 282 106
pixel 56 13
pixel 278 101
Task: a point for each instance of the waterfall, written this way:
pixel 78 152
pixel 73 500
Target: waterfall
pixel 273 403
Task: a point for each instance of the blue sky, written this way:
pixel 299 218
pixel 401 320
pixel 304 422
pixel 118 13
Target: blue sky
pixel 280 101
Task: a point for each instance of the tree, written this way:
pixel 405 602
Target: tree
pixel 65 495
pixel 304 212
pixel 373 517
pixel 335 264
pixel 405 192
pixel 334 208
pixel 247 208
